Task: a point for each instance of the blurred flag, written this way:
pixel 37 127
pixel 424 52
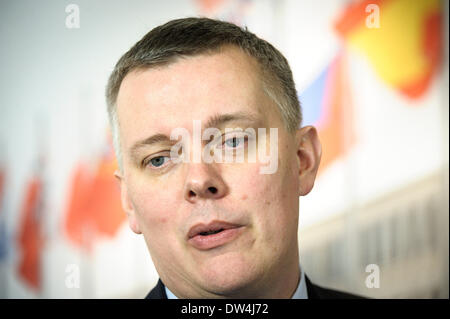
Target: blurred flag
pixel 209 6
pixel 30 234
pixel 234 11
pixel 2 181
pixel 327 105
pixel 94 207
pixel 3 241
pixel 3 236
pixel 405 49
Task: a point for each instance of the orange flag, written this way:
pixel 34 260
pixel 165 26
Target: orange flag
pixel 94 207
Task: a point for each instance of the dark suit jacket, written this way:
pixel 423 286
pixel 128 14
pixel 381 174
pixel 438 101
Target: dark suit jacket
pixel 314 292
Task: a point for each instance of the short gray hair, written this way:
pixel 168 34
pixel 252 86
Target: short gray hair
pixel 194 36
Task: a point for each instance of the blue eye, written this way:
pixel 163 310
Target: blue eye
pixel 233 142
pixel 158 161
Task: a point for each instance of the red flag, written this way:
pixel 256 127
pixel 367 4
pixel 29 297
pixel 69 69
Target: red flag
pixel 30 235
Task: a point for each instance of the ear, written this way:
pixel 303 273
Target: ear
pixel 127 205
pixel 309 152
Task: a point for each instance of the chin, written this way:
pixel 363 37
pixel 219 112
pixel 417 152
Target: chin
pixel 228 275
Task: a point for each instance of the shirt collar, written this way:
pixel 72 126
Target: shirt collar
pixel 169 294
pixel 300 293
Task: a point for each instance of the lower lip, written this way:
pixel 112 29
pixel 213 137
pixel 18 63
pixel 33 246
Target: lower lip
pixel 212 241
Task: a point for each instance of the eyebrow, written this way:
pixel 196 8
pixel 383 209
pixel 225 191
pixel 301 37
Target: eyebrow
pixel 217 121
pixel 157 138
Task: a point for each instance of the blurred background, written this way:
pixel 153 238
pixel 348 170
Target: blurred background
pixel 372 76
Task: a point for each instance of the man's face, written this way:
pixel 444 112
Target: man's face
pixel 172 203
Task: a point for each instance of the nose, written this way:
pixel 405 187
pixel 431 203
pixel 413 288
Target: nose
pixel 202 182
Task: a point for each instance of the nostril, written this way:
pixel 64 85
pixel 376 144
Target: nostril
pixel 212 189
pixel 191 194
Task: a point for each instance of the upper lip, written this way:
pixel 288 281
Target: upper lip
pixel 213 226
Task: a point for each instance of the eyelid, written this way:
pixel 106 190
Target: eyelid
pixel 146 161
pixel 236 134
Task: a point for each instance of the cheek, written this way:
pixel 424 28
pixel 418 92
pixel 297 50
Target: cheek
pixel 157 218
pixel 246 182
pixel 263 189
pixel 271 199
pixel 155 210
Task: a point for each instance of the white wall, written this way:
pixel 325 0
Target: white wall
pixel 52 86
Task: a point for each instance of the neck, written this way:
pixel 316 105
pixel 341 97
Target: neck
pixel 281 283
pixel 278 282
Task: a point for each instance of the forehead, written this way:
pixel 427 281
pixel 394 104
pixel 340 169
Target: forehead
pixel 157 100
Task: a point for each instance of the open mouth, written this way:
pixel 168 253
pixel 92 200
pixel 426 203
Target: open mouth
pixel 212 228
pixel 211 232
pixel 215 234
